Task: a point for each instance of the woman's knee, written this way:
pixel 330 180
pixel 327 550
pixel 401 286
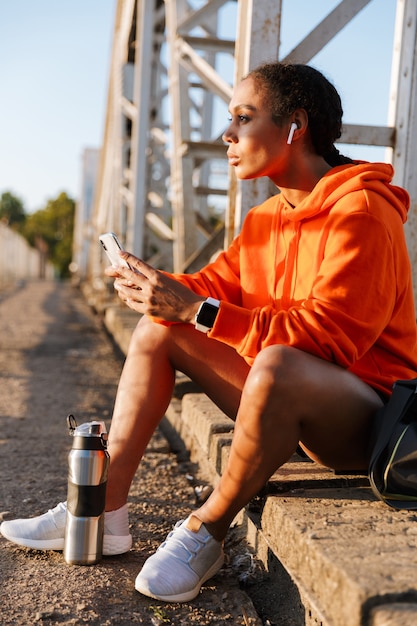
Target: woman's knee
pixel 147 335
pixel 164 339
pixel 275 371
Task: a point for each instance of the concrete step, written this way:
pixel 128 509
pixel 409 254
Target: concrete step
pixel 353 559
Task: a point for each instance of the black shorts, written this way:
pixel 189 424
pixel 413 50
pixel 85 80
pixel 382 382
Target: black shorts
pixel 384 397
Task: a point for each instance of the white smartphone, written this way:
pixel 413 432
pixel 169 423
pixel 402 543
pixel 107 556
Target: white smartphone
pixel 111 245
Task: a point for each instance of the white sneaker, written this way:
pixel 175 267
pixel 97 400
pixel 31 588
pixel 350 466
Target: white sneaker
pixel 188 557
pixel 46 532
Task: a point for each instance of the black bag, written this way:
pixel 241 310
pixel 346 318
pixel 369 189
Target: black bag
pixel 393 465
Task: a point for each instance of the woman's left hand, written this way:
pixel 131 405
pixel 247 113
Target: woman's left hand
pixel 151 292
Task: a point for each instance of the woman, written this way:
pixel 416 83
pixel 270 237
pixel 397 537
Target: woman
pixel 309 321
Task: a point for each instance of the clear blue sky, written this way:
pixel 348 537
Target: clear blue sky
pixel 54 63
pixel 54 60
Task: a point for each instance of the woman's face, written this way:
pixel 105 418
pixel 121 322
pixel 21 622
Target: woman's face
pixel 257 146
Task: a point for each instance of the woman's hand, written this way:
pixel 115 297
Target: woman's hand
pixel 152 292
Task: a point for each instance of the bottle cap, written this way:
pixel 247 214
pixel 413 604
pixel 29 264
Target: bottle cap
pixel 90 429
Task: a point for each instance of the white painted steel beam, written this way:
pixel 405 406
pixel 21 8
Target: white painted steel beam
pixel 257 40
pixel 403 115
pixel 143 66
pixel 193 44
pixel 324 32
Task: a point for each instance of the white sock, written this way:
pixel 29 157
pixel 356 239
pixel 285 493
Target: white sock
pixel 117 522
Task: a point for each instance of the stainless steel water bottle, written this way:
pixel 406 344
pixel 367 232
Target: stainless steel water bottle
pixel 88 464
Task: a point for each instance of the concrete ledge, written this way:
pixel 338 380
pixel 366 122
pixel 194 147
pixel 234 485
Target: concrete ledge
pixel 395 614
pixel 353 559
pixel 344 549
pixel 347 552
pixel 120 322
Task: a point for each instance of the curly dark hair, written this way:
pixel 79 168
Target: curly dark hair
pixel 295 86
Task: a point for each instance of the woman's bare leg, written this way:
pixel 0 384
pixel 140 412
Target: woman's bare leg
pixel 290 397
pixel 146 387
pixel 287 397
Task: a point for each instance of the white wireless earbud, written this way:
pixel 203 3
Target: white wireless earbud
pixel 291 133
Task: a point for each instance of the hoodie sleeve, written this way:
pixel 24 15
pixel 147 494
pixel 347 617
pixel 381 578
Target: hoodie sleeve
pixel 352 299
pixel 220 279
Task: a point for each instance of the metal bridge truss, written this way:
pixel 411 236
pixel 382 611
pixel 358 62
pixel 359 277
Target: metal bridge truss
pixel 163 183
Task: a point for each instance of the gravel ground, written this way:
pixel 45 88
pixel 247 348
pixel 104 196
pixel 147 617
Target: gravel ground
pixel 56 359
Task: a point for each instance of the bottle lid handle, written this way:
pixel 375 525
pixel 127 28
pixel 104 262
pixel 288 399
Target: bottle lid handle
pixel 72 424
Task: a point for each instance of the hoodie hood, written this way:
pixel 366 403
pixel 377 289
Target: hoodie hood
pixel 345 179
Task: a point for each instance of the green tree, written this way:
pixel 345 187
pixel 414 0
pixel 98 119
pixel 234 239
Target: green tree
pixel 52 228
pixel 12 211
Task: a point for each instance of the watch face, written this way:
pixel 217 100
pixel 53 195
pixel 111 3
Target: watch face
pixel 208 314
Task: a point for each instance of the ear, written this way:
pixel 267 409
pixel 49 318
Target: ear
pixel 300 118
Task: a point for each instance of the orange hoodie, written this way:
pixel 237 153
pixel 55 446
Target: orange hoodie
pixel 330 277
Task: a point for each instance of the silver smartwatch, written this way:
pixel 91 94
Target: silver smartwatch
pixel 206 315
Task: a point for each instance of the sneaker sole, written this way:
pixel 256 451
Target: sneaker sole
pixel 112 545
pixel 36 544
pixel 187 595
